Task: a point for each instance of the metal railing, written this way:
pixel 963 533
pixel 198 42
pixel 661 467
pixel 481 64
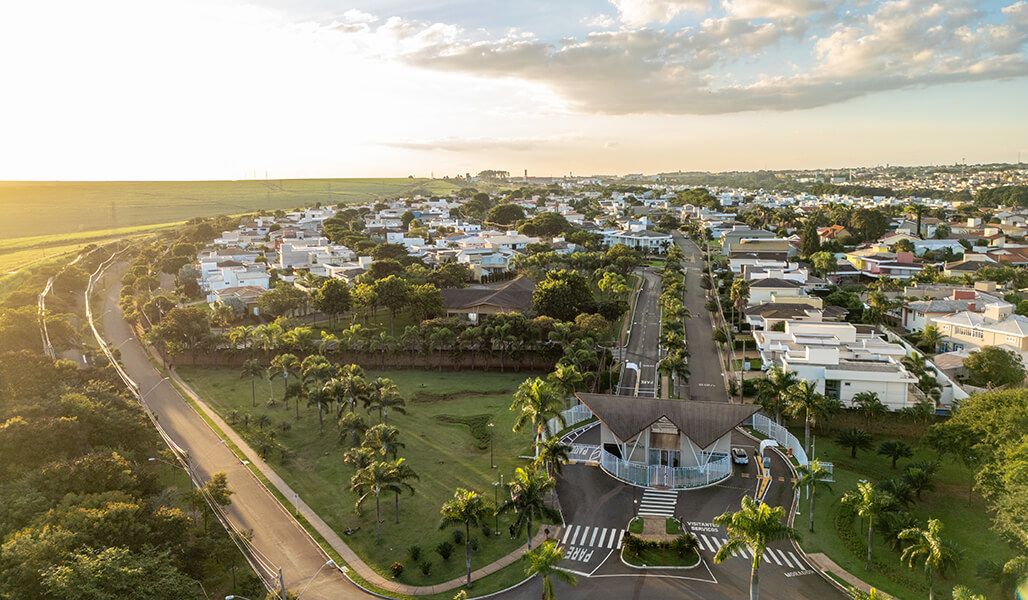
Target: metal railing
pixel 572 416
pixel 781 435
pixel 678 478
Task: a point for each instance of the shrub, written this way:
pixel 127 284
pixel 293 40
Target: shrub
pixel 414 552
pixel 458 536
pixel 633 544
pixel 487 531
pixel 444 549
pixel 684 544
pixel 426 567
pixel 396 569
pixel 473 542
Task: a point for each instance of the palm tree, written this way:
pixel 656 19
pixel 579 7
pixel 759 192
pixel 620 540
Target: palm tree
pixel 536 402
pixel 352 384
pixel 867 502
pixel 870 405
pixel 322 398
pixel 253 369
pixel 382 396
pixel 927 546
pixel 370 481
pixel 528 491
pixel 854 439
pixel 739 293
pixel 359 458
pixel 753 526
pixel 812 475
pixel 803 400
pixel 895 450
pixel 402 474
pixel 466 508
pixel 772 389
pixel 284 366
pixel 240 335
pixel 351 429
pixel 553 455
pixel 566 378
pixel 929 339
pixel 543 562
pixel 384 439
pixel 919 478
pixel 871 594
pixel 674 365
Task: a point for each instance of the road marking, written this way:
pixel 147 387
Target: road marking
pixel 797 561
pixel 567 532
pixel 613 536
pixel 575 535
pixel 771 553
pixel 621 537
pixel 603 535
pixel 707 542
pixel 585 535
pixel 592 541
pixel 785 559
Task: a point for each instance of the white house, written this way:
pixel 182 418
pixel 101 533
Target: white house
pixel 647 241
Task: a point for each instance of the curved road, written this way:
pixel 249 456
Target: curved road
pixel 278 540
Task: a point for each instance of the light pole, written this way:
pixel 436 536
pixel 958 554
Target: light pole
pixel 492 432
pixel 152 388
pixel 330 563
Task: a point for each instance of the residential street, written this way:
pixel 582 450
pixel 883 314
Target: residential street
pixel 644 341
pixel 706 379
pixel 280 541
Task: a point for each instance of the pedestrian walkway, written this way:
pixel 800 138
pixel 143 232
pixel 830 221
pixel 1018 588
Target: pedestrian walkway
pixel 658 503
pixel 589 536
pixel 786 559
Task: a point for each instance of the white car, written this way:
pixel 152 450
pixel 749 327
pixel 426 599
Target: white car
pixel 739 456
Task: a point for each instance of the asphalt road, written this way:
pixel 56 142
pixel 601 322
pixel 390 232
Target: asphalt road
pixel 596 506
pixel 643 345
pixel 279 540
pixel 706 375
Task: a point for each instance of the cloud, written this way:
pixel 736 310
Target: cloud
pixel 697 69
pixel 458 144
pixel 774 9
pixel 636 13
pixel 602 21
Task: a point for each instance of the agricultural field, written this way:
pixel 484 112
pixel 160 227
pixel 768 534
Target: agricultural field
pixel 446 437
pixel 47 208
pixel 22 252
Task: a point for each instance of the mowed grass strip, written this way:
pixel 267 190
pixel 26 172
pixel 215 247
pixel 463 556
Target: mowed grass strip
pixel 966 523
pixel 41 208
pixel 440 447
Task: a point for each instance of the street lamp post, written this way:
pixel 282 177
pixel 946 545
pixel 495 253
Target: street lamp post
pixel 492 430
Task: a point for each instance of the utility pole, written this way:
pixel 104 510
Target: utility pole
pixel 281 584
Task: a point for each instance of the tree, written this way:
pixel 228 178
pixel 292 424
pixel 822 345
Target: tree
pixel 810 241
pixel 867 502
pixel 402 474
pixel 425 301
pixel 505 214
pixel 384 439
pixel 958 439
pixel 351 429
pixel 753 526
pixel 869 224
pixel 536 402
pixel 111 573
pixel 920 477
pixel 854 439
pixel 929 339
pixel 674 365
pixel 563 295
pixel 284 366
pixel 803 401
pixel 824 263
pixel 993 367
pixel 566 378
pixel 253 369
pixel 810 476
pixel 371 481
pixel 772 391
pixel 466 508
pixel 544 561
pixel 528 490
pixel 895 450
pixel 382 396
pixel 184 328
pixel 926 546
pixel 553 455
pixel 333 298
pixel 392 293
pixel 281 300
pixel 352 385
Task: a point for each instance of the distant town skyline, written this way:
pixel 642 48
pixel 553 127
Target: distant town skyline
pixel 118 89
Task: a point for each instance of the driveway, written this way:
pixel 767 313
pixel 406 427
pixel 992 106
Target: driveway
pixel 706 375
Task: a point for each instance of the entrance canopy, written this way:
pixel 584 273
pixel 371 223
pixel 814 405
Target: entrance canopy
pixel 702 422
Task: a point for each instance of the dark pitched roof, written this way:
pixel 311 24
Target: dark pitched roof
pixel 775 282
pixel 515 295
pixel 702 422
pixel 780 310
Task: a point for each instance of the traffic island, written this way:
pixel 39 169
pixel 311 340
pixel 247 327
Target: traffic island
pixel 660 544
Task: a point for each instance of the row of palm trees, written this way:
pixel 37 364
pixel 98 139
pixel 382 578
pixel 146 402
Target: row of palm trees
pixel 675 362
pixel 782 393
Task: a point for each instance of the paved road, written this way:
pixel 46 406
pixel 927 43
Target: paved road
pixel 644 341
pixel 597 508
pixel 276 535
pixel 706 375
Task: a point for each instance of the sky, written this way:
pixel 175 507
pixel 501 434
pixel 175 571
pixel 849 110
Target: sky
pixel 230 89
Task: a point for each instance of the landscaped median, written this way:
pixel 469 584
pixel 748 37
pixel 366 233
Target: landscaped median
pixel 444 443
pixel 659 543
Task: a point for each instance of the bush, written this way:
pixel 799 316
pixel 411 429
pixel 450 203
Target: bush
pixel 458 536
pixel 414 552
pixel 473 542
pixel 487 531
pixel 749 387
pixel 426 567
pixel 684 544
pixel 444 549
pixel 633 544
pixel 396 569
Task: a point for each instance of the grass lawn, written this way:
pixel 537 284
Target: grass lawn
pixel 964 524
pixel 440 447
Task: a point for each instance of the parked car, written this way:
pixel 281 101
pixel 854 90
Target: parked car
pixel 739 456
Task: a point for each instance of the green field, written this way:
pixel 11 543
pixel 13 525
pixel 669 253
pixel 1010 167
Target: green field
pixel 445 455
pixel 46 208
pixel 21 252
pixel 966 524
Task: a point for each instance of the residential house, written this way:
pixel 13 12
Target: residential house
pixel 997 325
pixel 476 300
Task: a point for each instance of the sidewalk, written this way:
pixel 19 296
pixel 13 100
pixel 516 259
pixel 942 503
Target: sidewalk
pixel 348 555
pixel 824 563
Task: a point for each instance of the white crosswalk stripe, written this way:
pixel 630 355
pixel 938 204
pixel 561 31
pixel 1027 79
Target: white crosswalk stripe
pixel 799 564
pixel 787 560
pixel 658 503
pixel 591 536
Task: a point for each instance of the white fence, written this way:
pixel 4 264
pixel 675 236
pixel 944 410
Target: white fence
pixel 785 439
pixel 671 477
pixel 573 415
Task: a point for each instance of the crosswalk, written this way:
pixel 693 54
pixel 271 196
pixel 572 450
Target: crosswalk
pixel 658 503
pixel 783 558
pixel 592 536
